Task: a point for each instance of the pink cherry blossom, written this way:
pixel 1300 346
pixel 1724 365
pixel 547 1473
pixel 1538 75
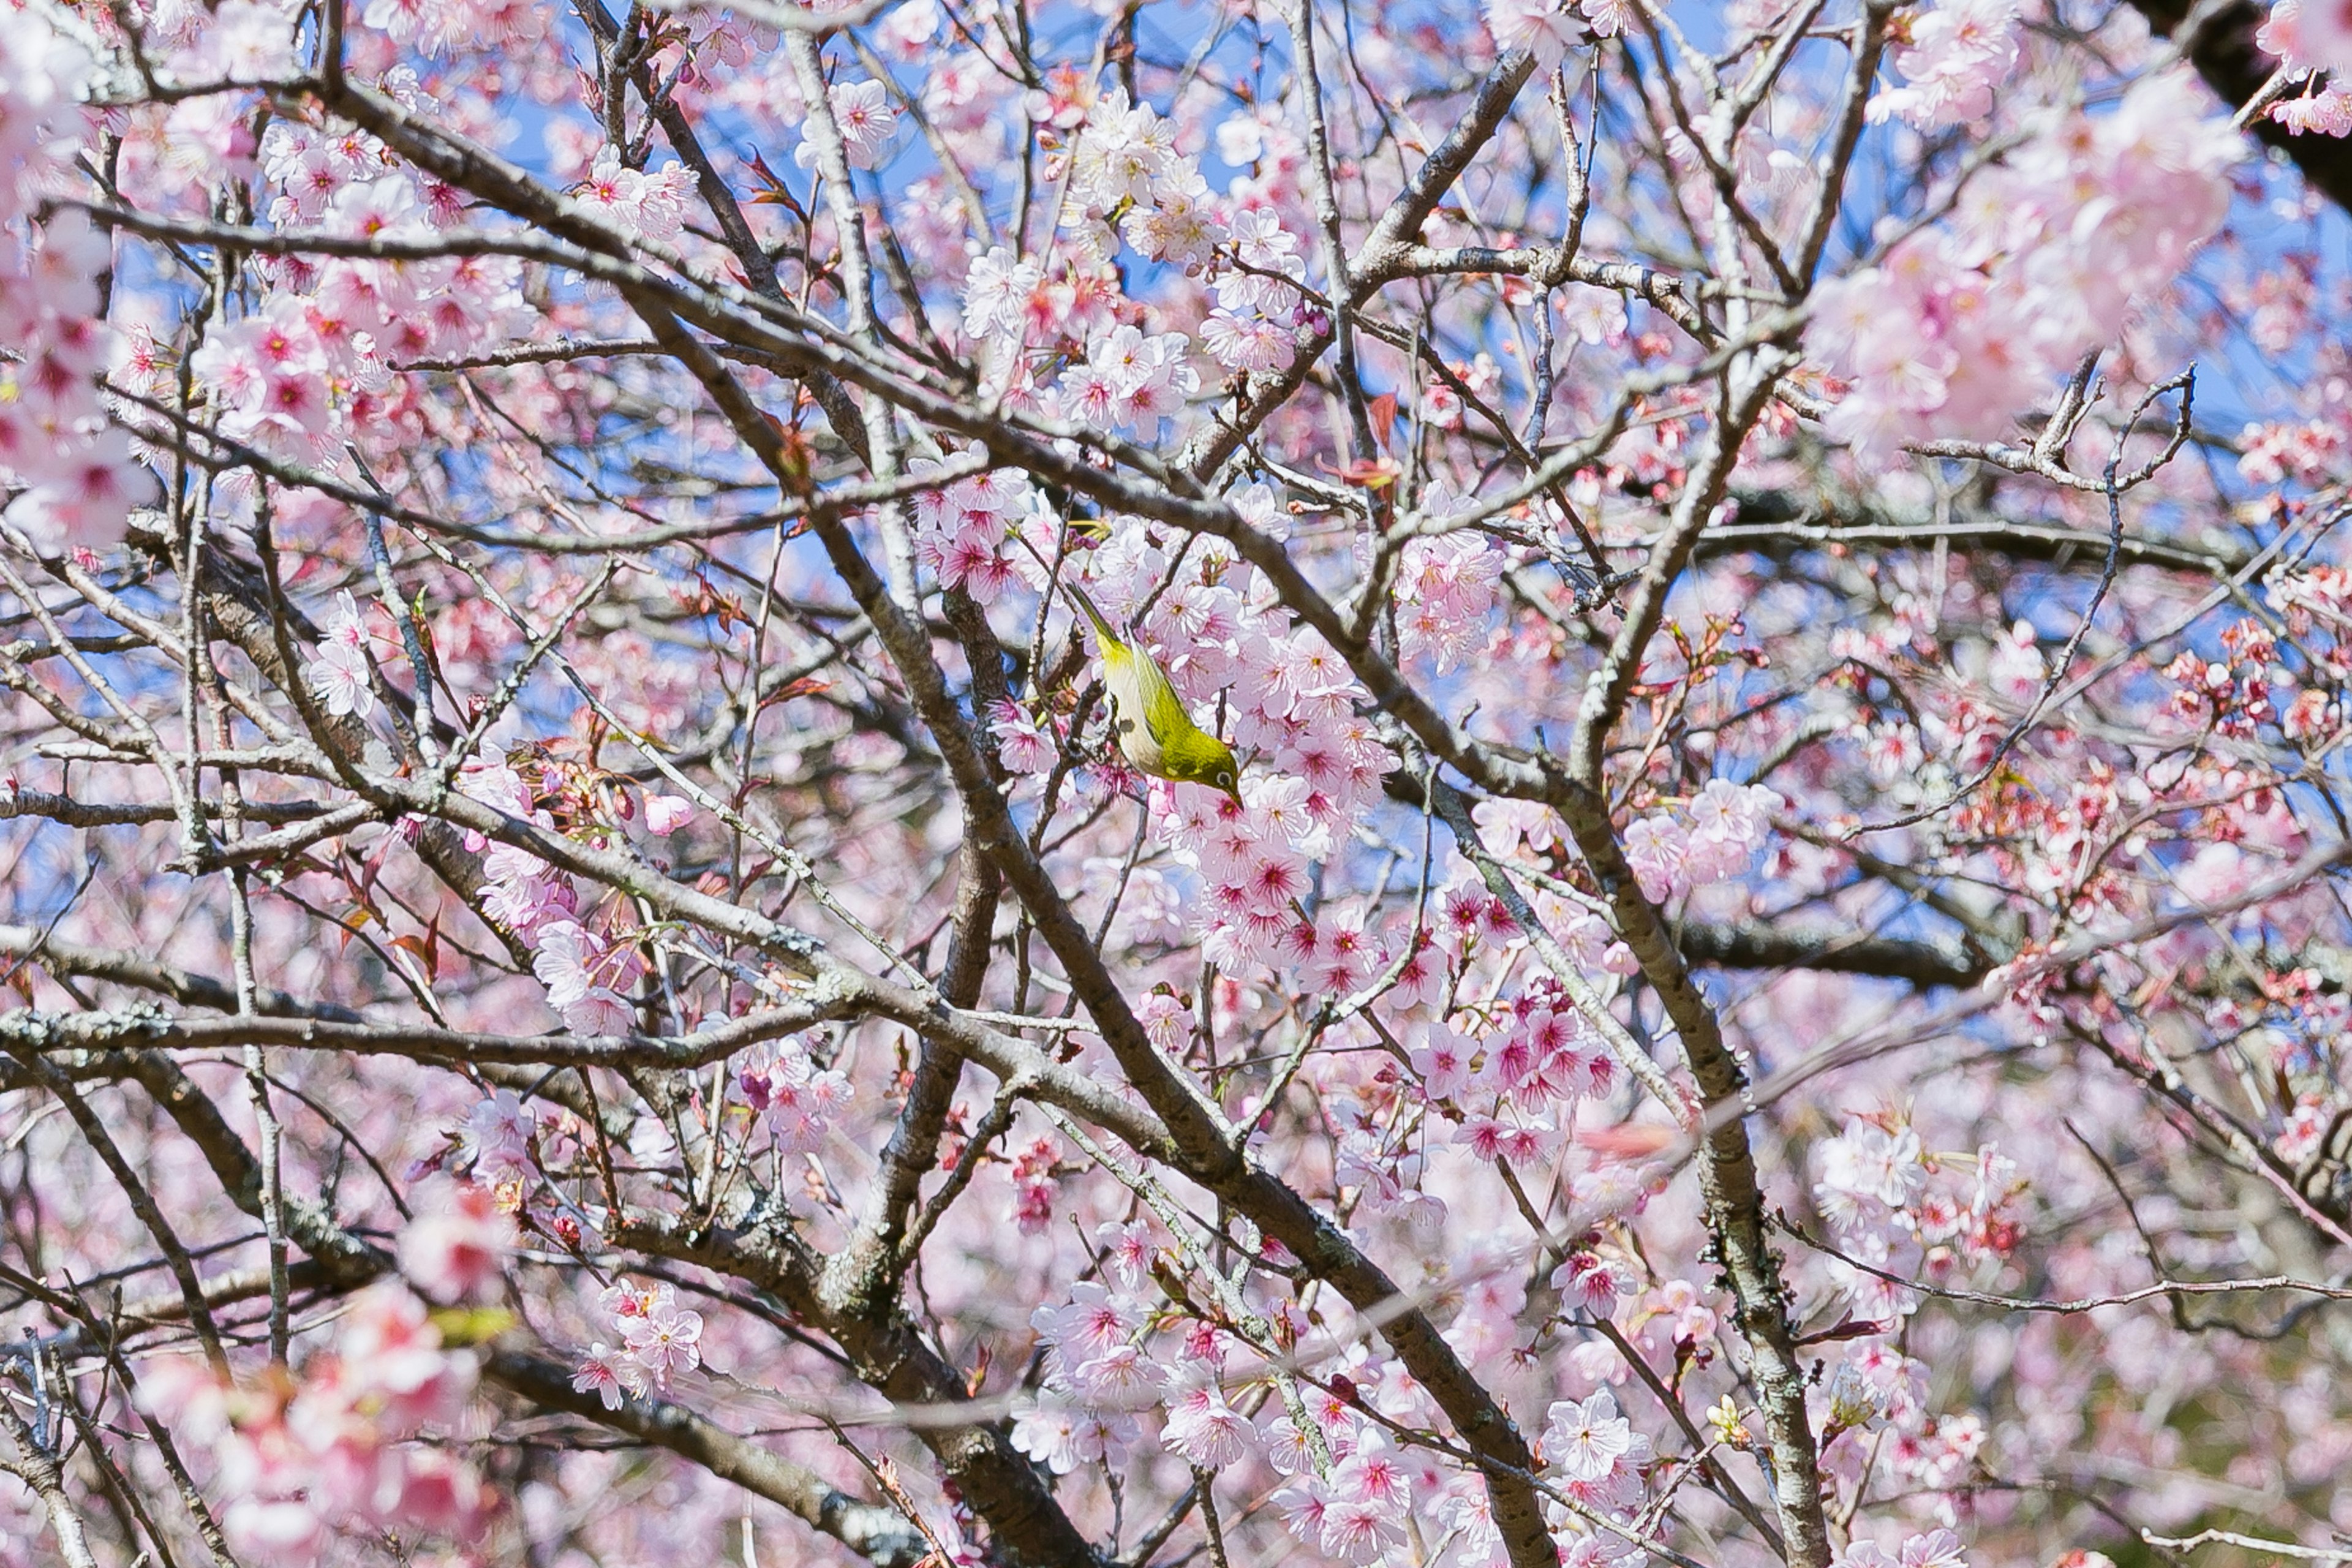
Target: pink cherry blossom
pixel 341 675
pixel 664 1340
pixel 612 1376
pixel 458 1242
pixel 1543 27
pixel 1586 1438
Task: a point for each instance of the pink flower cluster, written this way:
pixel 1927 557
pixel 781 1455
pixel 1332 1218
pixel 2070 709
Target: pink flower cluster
pixel 588 973
pixel 236 41
pixel 1443 595
pixel 1877 1188
pixel 1259 312
pixel 2313 594
pixel 1542 1060
pixel 797 1101
pixel 1597 1458
pixel 340 676
pixel 72 475
pixel 1961 325
pixel 2327 113
pixel 1960 51
pixel 1898 1211
pixel 2309 451
pixel 1035 1169
pixel 588 976
pixel 329 1453
pixel 1878 1402
pixel 632 201
pixel 1202 1426
pixel 1129 382
pixel 964 533
pixel 1100 1373
pixel 1936 1549
pixel 1126 181
pixel 1125 169
pixel 447 26
pixel 495 1142
pixel 1589 1282
pixel 1358 1512
pixel 2233 693
pixel 1024 744
pixel 459 1239
pixel 1715 837
pixel 2318 38
pixel 311 367
pixel 1060 1433
pixel 658 1339
pixel 1546 28
pixel 1312 786
pixel 1094 1349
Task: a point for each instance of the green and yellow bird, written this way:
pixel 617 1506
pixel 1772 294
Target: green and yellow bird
pixel 1155 731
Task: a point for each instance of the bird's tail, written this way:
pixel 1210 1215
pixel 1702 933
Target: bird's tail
pixel 1102 625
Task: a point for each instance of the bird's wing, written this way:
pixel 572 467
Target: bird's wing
pixel 1164 713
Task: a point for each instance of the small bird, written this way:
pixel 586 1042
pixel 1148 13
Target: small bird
pixel 1155 731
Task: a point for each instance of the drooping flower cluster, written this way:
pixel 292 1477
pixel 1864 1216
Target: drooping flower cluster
pixel 1097 1375
pixel 1360 1511
pixel 1539 1060
pixel 1960 326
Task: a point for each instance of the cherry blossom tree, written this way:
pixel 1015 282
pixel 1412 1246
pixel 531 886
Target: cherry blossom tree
pixel 592 983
